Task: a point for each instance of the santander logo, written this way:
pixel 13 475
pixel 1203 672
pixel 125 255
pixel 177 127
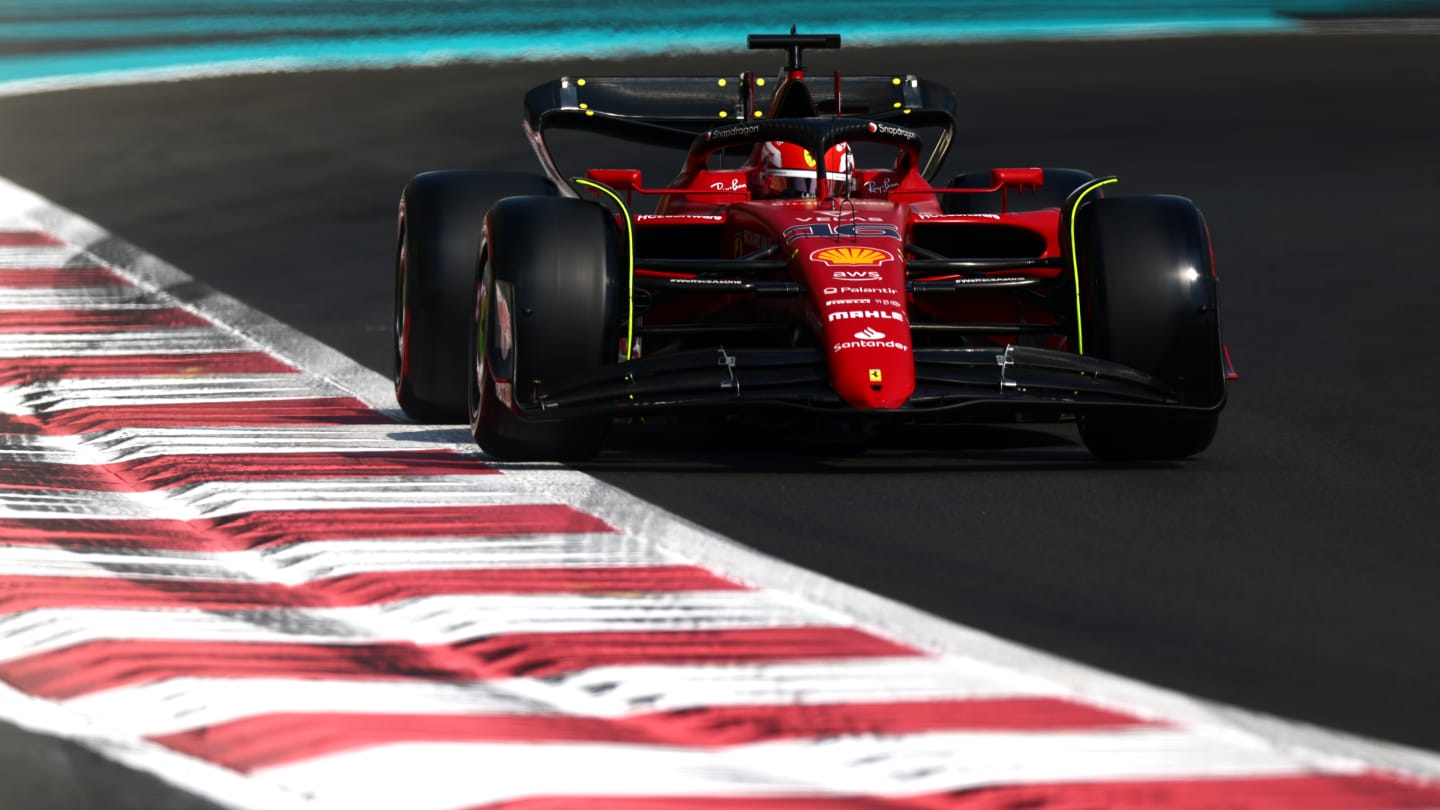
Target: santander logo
pixel 869 334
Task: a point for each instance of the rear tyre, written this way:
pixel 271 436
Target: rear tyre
pixel 437 239
pixel 548 309
pixel 1057 185
pixel 1149 296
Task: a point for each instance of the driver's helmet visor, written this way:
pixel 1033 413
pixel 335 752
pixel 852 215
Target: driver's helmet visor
pixel 789 169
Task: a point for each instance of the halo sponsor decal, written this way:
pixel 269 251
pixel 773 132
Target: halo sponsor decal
pixel 852 256
pixel 735 185
pixel 881 186
pixel 736 132
pixel 886 129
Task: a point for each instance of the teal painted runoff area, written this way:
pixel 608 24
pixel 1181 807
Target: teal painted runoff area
pixel 49 39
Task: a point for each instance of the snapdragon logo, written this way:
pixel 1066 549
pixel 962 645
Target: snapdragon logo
pixel 738 132
pixel 886 129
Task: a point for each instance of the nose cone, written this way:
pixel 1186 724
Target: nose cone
pixel 870 357
pixel 852 260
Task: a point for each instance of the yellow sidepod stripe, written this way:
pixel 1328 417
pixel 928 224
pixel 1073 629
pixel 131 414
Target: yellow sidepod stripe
pixel 629 260
pixel 1075 259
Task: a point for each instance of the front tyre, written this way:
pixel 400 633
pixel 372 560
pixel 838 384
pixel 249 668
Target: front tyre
pixel 437 238
pixel 1149 298
pixel 548 310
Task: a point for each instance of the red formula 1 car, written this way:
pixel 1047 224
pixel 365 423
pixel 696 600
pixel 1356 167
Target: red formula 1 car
pixel 801 263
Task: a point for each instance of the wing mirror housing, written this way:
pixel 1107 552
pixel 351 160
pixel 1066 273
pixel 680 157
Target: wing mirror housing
pixel 1006 179
pixel 1020 178
pixel 618 179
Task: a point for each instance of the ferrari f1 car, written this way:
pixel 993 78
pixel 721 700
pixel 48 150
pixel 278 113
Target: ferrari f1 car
pixel 801 262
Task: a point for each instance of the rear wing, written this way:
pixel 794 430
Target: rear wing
pixel 671 111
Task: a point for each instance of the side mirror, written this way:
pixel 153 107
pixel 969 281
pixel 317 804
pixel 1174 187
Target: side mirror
pixel 619 179
pixel 1033 178
pixel 1006 179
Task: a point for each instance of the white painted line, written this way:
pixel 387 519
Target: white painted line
pixel 304 562
pixel 43 257
pixel 33 503
pixel 424 620
pixel 77 298
pixel 221 498
pixel 186 340
pixel 125 444
pixel 48 397
pixel 419 776
pixel 168 707
pixel 53 561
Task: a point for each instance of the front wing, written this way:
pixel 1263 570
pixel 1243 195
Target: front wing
pixel 967 384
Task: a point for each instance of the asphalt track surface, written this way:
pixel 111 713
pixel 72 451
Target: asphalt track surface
pixel 1291 569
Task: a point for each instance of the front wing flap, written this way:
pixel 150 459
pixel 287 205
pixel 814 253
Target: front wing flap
pixel 988 382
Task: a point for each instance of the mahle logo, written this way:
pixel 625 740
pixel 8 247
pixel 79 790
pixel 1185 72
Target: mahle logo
pixel 852 256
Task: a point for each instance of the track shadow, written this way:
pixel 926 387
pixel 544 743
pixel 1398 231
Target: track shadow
pixel 965 448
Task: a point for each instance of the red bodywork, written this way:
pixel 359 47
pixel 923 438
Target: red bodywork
pixel 850 254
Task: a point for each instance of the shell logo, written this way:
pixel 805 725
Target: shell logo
pixel 852 256
pixel 809 159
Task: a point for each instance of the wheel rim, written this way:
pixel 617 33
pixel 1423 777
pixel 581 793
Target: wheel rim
pixel 478 322
pixel 402 315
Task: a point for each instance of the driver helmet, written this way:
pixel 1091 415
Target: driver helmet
pixel 788 170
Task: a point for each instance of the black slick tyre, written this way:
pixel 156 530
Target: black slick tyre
pixel 548 309
pixel 438 236
pixel 1149 301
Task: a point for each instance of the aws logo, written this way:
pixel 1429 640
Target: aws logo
pixel 852 256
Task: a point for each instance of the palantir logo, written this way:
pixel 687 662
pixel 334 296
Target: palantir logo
pixel 869 333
